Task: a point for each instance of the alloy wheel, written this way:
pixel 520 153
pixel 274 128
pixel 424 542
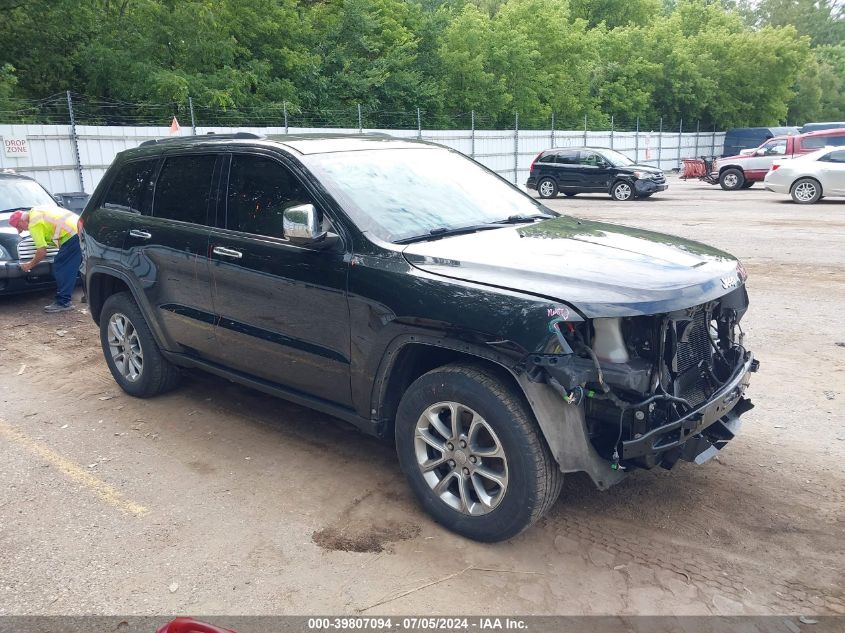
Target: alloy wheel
pixel 461 458
pixel 731 181
pixel 547 188
pixel 623 191
pixel 805 191
pixel 125 347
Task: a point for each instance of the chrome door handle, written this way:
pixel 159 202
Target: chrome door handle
pixel 227 252
pixel 140 234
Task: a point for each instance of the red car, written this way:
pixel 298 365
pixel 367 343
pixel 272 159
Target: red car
pixel 189 625
pixel 750 166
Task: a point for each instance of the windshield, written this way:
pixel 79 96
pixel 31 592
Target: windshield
pixel 401 193
pixel 19 193
pixel 616 159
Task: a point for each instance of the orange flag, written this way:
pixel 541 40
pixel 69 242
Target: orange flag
pixel 174 126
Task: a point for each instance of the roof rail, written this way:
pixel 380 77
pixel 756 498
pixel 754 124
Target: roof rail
pixel 201 137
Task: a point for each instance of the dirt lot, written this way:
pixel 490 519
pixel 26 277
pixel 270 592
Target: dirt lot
pixel 218 500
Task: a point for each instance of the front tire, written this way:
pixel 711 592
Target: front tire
pixel 806 191
pixel 731 179
pixel 473 453
pixel 622 191
pixel 133 357
pixel 547 188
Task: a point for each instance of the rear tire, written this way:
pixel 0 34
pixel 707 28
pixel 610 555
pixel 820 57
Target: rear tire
pixel 133 356
pixel 748 184
pixel 806 191
pixel 473 453
pixel 570 194
pixel 731 179
pixel 547 188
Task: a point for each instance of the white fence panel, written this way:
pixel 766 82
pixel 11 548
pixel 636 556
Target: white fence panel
pixel 52 155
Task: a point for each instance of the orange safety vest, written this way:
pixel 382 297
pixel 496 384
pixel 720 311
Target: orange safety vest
pixel 62 220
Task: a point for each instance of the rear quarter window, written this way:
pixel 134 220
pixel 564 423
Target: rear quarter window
pixel 130 189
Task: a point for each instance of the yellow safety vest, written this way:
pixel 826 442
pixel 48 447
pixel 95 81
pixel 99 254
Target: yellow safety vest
pixel 61 222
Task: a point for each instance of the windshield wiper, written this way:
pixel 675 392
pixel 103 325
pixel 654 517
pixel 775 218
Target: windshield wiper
pixel 521 219
pixel 443 231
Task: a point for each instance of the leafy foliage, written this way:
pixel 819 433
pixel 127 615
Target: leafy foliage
pixel 731 62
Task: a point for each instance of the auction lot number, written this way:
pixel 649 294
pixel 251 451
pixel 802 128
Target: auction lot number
pixel 415 623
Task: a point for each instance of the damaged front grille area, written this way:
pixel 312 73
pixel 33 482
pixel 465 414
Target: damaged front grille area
pixel 674 366
pixel 691 351
pixel 693 341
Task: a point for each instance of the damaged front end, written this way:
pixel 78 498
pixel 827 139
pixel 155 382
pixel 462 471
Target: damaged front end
pixel 648 390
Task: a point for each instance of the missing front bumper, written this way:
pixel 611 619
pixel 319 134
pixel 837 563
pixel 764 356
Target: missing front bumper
pixel 699 434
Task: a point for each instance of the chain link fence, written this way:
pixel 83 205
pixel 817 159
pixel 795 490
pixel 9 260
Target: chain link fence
pixel 71 139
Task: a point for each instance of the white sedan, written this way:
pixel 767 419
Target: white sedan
pixel 810 177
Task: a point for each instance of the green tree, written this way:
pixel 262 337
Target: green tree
pixel 466 55
pixel 822 20
pixel 369 51
pixel 613 13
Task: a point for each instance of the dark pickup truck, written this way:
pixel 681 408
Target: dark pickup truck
pixel 407 289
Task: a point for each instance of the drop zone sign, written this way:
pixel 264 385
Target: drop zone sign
pixel 16 146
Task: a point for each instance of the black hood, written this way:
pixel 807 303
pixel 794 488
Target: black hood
pixel 649 169
pixel 600 269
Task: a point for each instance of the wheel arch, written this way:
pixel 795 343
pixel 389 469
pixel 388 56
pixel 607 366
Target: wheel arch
pixel 813 178
pixel 724 168
pixel 102 282
pixel 408 358
pixel 562 428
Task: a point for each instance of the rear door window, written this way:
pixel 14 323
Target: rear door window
pixel 260 189
pixel 130 189
pixel 569 157
pixel 183 188
pixel 835 157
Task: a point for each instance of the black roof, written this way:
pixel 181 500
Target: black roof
pixel 317 143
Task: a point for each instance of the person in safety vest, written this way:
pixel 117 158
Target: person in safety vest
pixel 53 225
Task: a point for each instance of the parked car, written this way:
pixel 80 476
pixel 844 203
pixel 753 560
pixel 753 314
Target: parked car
pixel 741 172
pixel 740 138
pixel 592 170
pixel 21 192
pixel 407 289
pixel 810 177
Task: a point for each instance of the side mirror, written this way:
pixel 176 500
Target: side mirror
pixel 302 224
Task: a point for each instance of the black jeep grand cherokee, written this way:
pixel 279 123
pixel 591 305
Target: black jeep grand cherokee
pixel 405 288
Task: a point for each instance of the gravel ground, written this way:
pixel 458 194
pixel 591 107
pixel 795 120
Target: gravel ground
pixel 218 500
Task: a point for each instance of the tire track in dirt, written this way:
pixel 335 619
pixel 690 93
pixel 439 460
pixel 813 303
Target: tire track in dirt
pixel 627 544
